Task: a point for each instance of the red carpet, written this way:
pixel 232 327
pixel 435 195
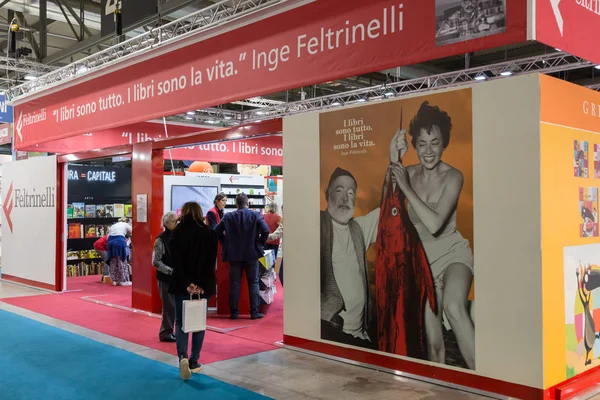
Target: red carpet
pixel 259 336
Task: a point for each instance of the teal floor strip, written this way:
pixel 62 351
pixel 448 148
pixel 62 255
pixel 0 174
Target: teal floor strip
pixel 38 361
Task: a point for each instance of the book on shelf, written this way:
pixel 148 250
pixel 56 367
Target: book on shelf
pixel 128 210
pixel 102 230
pixel 100 211
pixel 75 231
pixel 78 210
pixel 110 210
pixel 69 211
pixel 119 210
pixel 90 231
pixel 90 211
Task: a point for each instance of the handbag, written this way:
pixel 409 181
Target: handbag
pixel 194 315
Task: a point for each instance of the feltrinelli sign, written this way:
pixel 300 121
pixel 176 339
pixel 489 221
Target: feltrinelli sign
pixel 29 221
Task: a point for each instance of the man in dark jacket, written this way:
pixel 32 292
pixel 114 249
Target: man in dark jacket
pixel 243 233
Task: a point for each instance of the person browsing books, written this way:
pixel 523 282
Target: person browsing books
pixel 243 234
pixel 118 252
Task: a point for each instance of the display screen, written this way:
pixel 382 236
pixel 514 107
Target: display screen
pixel 204 195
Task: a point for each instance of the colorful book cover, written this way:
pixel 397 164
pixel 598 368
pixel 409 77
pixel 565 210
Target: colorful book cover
pixel 588 209
pixel 90 231
pixel 110 210
pixel 128 210
pixel 78 210
pixel 101 230
pixel 581 159
pixel 75 231
pixel 69 211
pixel 597 161
pixel 119 210
pixel 90 211
pixel 100 211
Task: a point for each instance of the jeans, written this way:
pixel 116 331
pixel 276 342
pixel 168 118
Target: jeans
pixel 168 311
pixel 235 281
pixel 181 336
pixel 104 255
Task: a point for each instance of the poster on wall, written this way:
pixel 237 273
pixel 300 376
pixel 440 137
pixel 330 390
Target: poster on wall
pixel 582 308
pixel 397 227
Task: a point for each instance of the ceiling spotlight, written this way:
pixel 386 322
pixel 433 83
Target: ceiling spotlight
pixel 481 77
pixel 258 120
pixel 505 73
pixel 361 100
pixel 337 103
pixel 227 117
pixel 30 77
pixel 82 69
pixel 210 121
pixel 389 93
pixel 189 118
pixel 557 49
pixel 597 66
pixel 260 113
pixel 191 113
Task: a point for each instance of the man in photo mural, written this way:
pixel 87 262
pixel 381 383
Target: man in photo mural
pixel 346 299
pixel 432 189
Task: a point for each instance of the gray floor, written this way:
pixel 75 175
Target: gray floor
pixel 280 374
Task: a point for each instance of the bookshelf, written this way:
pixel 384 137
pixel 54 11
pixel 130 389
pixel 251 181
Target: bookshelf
pixel 93 206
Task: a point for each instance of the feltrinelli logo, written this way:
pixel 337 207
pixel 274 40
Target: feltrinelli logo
pixel 557 15
pixel 25 198
pixel 8 206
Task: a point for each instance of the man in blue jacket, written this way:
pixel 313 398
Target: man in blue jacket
pixel 243 233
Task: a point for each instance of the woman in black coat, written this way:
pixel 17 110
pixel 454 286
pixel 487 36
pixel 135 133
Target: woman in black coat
pixel 193 255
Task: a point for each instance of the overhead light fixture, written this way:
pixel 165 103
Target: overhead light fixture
pixel 337 103
pixel 389 94
pixel 258 120
pixel 209 121
pixel 505 73
pixel 191 113
pixel 557 49
pixel 597 66
pixel 227 117
pixel 260 113
pixel 82 69
pixel 189 118
pixel 481 77
pixel 30 77
pixel 1 92
pixel 361 100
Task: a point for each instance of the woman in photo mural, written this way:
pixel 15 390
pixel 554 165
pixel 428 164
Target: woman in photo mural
pixel 432 189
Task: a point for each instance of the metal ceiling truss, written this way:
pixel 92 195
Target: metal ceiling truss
pixel 216 14
pixel 25 66
pixel 549 63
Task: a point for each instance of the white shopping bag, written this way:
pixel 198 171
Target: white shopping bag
pixel 194 315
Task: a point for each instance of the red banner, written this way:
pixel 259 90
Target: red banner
pixel 135 133
pixel 569 25
pixel 267 150
pixel 318 42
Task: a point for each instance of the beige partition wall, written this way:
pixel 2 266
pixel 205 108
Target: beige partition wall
pixel 455 235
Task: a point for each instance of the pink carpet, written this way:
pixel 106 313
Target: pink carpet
pixel 258 336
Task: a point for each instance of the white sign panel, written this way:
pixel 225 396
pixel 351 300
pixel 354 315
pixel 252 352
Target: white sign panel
pixel 29 220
